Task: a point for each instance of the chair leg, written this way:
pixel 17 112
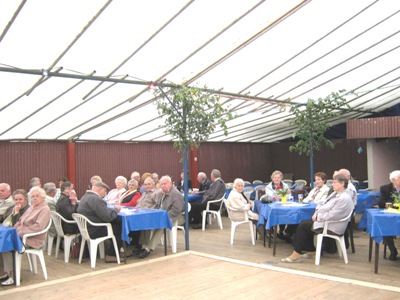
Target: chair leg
pixel 50 240
pixel 219 220
pixel 93 254
pixel 58 245
pixel 318 249
pixel 42 262
pixel 252 233
pixel 102 251
pixel 204 220
pixel 17 270
pixel 173 238
pixel 339 247
pixel 233 228
pixel 82 249
pixel 67 248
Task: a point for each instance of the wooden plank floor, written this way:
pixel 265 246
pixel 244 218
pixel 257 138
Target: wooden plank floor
pixel 214 268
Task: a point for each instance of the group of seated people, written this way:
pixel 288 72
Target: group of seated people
pixel 30 212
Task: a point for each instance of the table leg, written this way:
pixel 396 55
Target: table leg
pixel 264 234
pixel 274 250
pixel 376 257
pixel 165 241
pixel 124 247
pixel 14 254
pixel 370 249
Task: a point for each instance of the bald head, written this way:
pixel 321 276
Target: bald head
pixel 345 173
pixel 5 191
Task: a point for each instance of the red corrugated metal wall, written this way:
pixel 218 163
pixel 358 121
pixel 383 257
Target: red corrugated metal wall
pixel 20 161
pixel 384 127
pixel 247 161
pixel 109 160
pixel 47 160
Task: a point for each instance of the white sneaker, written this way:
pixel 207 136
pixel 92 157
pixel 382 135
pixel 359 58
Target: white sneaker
pixel 9 281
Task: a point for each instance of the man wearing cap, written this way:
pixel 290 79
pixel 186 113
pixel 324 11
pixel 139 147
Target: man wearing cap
pixel 95 209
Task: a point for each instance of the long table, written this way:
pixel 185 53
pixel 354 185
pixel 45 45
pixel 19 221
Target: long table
pixel 133 219
pixel 380 223
pixel 10 241
pixel 275 214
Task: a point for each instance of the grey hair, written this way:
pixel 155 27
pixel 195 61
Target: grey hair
pixel 41 191
pixel 134 181
pixel 216 173
pixel 276 172
pixel 33 181
pixel 49 187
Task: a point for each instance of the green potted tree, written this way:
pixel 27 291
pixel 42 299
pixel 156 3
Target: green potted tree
pixel 190 114
pixel 312 121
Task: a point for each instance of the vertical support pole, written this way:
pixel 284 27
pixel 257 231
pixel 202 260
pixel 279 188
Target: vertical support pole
pixel 311 160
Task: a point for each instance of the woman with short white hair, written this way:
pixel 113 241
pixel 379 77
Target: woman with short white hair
pixel 114 195
pixel 238 201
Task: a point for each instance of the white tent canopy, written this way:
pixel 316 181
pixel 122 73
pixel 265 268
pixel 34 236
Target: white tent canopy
pixel 80 69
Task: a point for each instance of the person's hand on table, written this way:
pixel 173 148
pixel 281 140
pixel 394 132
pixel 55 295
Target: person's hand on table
pixel 314 217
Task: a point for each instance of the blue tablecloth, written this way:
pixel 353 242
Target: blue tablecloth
pixel 380 223
pixel 277 213
pixel 142 219
pixel 9 239
pixel 366 199
pixel 195 198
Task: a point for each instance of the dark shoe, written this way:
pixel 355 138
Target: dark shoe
pixel 4 277
pixel 197 226
pixel 144 253
pixel 393 255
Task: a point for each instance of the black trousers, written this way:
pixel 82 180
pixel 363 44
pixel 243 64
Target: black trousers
pixel 303 240
pixel 197 208
pixel 388 240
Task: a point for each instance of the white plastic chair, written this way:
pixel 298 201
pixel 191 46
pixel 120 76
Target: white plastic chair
pixel 259 188
pixel 257 181
pixel 173 232
pixel 82 223
pixel 246 182
pixel 288 182
pixel 216 213
pixel 340 243
pixel 247 191
pixel 329 183
pixel 234 224
pixel 299 183
pixel 30 252
pixel 68 238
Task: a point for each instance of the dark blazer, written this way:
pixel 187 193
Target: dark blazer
pixel 66 209
pixel 204 186
pixel 180 185
pixel 386 195
pixel 216 191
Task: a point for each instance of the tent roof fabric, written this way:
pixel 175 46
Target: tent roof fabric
pixel 79 70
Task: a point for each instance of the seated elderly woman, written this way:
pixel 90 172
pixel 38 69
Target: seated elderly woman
pixel 319 193
pixel 238 201
pixel 337 206
pixel 131 196
pixel 35 219
pixel 14 213
pixel 66 206
pixel 114 195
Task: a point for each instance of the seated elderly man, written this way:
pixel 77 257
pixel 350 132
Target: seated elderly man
pixel 205 183
pixel 6 200
pixel 217 191
pixel 171 200
pixel 95 209
pixel 388 194
pixel 149 196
